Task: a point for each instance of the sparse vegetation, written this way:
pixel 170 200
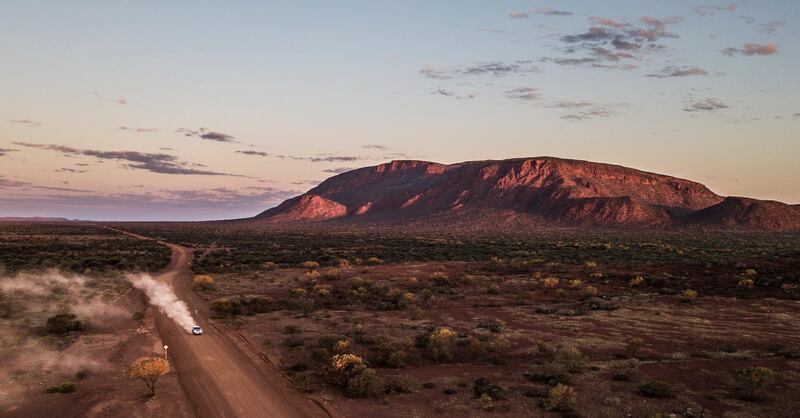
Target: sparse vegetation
pixel 750 382
pixel 149 369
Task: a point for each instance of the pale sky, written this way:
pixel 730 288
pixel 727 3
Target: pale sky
pixel 192 110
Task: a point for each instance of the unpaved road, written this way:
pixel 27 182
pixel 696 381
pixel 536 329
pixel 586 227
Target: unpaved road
pixel 222 374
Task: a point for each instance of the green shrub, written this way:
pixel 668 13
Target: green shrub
pixel 364 384
pixel 66 387
pixel 561 398
pixel 63 323
pixel 657 389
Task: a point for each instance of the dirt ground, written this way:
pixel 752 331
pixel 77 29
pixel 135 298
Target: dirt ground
pixel 694 347
pixel 106 390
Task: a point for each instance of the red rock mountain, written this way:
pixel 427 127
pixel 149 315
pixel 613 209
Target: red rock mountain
pixel 537 191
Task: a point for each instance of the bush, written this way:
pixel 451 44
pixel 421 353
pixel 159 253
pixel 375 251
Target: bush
pixel 636 281
pixel 66 387
pixel 63 323
pixel 550 282
pixel 440 344
pixel 138 316
pixel 373 261
pixel 400 384
pixel 331 273
pixel 483 386
pixel 294 342
pixel 632 346
pixel 310 265
pixel 569 357
pixel 657 389
pixel 291 329
pixel 203 282
pixel 590 292
pixel 751 381
pixel 364 384
pixel 561 398
pixel 687 296
pixel 575 284
pixel 269 266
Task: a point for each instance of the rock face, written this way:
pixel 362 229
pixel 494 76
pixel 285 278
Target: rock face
pixel 540 191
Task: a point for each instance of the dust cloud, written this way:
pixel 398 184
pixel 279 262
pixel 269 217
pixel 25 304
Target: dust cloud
pixel 163 297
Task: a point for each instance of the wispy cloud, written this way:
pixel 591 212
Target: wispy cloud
pixel 376 147
pixel 70 170
pixel 253 153
pixel 450 93
pixel 752 49
pixel 4 151
pixel 26 122
pixel 523 94
pixel 706 105
pixel 672 71
pixel 16 184
pixel 119 100
pixel 712 9
pixel 204 133
pixel 156 163
pixel 493 68
pixel 771 27
pixel 338 170
pixel 138 130
pixel 585 110
pixel 543 11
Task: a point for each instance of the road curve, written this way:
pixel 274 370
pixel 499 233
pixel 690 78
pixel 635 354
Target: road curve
pixel 221 376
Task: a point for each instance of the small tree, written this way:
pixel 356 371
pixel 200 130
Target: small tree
pixel 149 369
pixel 632 346
pixel 688 296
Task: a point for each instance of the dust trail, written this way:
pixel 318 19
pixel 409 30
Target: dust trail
pixel 162 296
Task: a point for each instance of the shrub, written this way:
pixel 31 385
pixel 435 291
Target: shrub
pixel 590 292
pixel 632 346
pixel 493 289
pixel 550 282
pixel 400 384
pixel 636 281
pixel 291 329
pixel 63 323
pixel 344 264
pixel 440 278
pixel 310 265
pixel 590 265
pixel 561 398
pixel 331 273
pixel 687 296
pixel 486 402
pixel 483 386
pixel 373 261
pixel 364 384
pixel 66 387
pixel 294 342
pixel 138 316
pixel 575 284
pixel 440 344
pixel 656 389
pixel 269 266
pixel 745 283
pixel 751 381
pixel 569 357
pixel 203 282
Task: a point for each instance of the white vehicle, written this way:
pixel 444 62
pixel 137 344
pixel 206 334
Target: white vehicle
pixel 196 330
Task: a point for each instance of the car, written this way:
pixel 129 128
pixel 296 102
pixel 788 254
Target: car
pixel 196 330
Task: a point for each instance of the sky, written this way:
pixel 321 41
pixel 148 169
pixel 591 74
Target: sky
pixel 195 110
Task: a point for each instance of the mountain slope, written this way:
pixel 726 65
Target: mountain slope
pixel 543 190
pixel 742 212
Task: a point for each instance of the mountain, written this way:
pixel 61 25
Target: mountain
pixel 537 191
pixel 742 212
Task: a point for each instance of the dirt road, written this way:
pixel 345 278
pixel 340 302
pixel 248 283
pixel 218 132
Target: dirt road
pixel 222 375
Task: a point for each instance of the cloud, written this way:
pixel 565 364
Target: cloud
pixel 544 11
pixel 204 133
pixel 70 170
pixel 750 49
pixel 26 122
pixel 338 170
pixel 376 147
pixel 138 130
pixel 771 27
pixel 584 110
pixel 672 71
pixel 797 115
pixel 612 44
pixel 450 93
pixel 254 153
pixel 14 184
pixel 524 94
pixel 493 68
pixel 119 101
pixel 333 158
pixel 712 9
pixel 4 151
pixel 706 105
pixel 156 163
